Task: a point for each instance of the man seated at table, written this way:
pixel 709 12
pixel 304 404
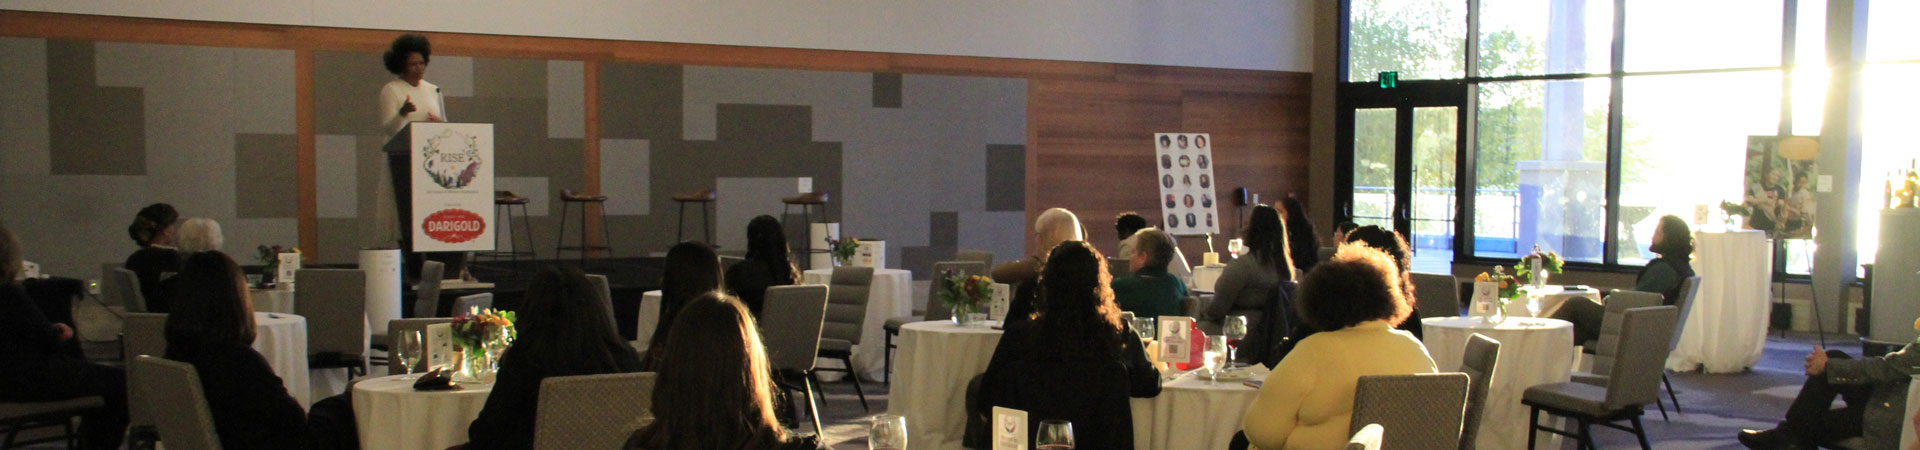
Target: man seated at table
pixel 1875 390
pixel 1150 291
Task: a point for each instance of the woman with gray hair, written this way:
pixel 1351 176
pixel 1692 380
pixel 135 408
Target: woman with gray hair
pixel 200 234
pixel 1055 225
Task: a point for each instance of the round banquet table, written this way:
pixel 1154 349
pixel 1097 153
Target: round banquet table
pixel 891 295
pixel 393 416
pixel 1551 296
pixel 272 300
pixel 282 340
pixel 1190 414
pixel 932 366
pixel 1532 352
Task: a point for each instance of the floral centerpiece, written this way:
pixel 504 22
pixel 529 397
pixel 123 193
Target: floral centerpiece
pixel 1733 211
pixel 269 256
pixel 482 334
pixel 965 294
pixel 1550 263
pixel 1509 290
pixel 843 250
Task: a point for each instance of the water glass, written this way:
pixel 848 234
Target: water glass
pixel 1144 326
pixel 1214 356
pixel 889 432
pixel 1054 435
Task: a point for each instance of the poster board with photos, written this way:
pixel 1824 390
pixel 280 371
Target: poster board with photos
pixel 1777 188
pixel 1187 195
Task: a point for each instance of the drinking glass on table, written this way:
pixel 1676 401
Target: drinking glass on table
pixel 1054 435
pixel 1214 356
pixel 409 352
pixel 1235 329
pixel 1144 327
pixel 889 432
pixel 495 347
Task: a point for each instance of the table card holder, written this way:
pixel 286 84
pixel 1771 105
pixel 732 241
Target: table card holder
pixel 29 270
pixel 1486 297
pixel 1009 429
pixel 872 253
pixel 999 302
pixel 1175 342
pixel 439 345
pixel 289 265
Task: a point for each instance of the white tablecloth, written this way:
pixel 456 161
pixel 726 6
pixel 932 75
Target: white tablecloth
pixel 935 361
pixel 272 300
pixel 282 340
pixel 1190 414
pixel 1205 276
pixel 1532 352
pixel 890 296
pixel 393 416
pixel 1727 328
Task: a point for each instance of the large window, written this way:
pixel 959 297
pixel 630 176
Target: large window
pixel 1421 39
pixel 1684 143
pixel 1542 168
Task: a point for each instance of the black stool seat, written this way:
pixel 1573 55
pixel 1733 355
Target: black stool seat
pixel 810 198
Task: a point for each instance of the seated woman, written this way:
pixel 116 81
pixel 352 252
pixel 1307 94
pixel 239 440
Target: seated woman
pixel 153 230
pixel 1150 291
pixel 1074 361
pixel 211 327
pixel 767 264
pixel 715 389
pixel 692 270
pixel 34 369
pixel 1247 283
pixel 1055 225
pixel 200 234
pixel 1303 244
pixel 1674 243
pixel 1307 401
pixel 562 331
pixel 1396 247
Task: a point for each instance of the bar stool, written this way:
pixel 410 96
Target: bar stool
pixel 806 202
pixel 567 199
pixel 503 202
pixel 705 199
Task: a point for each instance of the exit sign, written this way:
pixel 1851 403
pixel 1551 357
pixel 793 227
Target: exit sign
pixel 1389 79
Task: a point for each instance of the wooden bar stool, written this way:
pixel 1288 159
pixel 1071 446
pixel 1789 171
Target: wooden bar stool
pixel 567 199
pixel 504 201
pixel 806 202
pixel 705 199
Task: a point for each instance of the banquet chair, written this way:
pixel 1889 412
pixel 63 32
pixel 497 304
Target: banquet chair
pixel 17 417
pixel 122 286
pixel 1607 348
pixel 1274 336
pixel 176 389
pixel 400 327
pixel 1119 267
pixel 846 320
pixel 1689 291
pixel 141 334
pixel 1436 294
pixel 1420 411
pixel 1368 438
pixel 605 290
pixel 334 303
pixel 426 302
pixel 795 316
pixel 469 302
pixel 1479 363
pixel 985 258
pixel 933 309
pixel 1633 380
pixel 592 411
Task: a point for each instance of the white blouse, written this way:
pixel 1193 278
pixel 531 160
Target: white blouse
pixel 427 104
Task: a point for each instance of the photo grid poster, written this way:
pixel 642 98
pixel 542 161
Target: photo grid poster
pixel 1186 183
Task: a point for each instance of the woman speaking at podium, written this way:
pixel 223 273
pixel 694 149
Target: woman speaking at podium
pixel 409 98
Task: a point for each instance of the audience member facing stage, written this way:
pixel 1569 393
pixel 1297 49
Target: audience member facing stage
pixel 153 230
pixel 692 270
pixel 211 327
pixel 1876 393
pixel 1340 233
pixel 767 264
pixel 1055 225
pixel 1307 402
pixel 1302 243
pixel 562 331
pixel 32 369
pixel 1150 291
pixel 1247 282
pixel 201 234
pixel 1128 223
pixel 715 389
pixel 1074 361
pixel 1674 243
pixel 1396 247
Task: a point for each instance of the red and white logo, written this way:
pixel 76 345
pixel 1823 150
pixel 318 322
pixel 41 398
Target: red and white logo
pixel 453 226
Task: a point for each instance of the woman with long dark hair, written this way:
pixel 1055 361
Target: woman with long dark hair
pixel 561 331
pixel 1673 241
pixel 211 327
pixel 1074 361
pixel 154 229
pixel 715 389
pixel 692 270
pixel 767 264
pixel 1247 282
pixel 33 368
pixel 1302 242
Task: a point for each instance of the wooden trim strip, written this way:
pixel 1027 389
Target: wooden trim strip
pixel 307 174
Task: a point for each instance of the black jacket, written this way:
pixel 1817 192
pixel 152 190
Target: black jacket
pixel 250 405
pixel 28 341
pixel 151 265
pixel 1091 389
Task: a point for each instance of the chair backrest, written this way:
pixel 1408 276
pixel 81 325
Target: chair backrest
pixel 592 411
pixel 791 332
pixel 1438 294
pixel 426 302
pixel 1368 438
pixel 605 290
pixel 1119 267
pixel 985 258
pixel 847 294
pixel 469 302
pixel 1635 376
pixel 1422 411
pixel 141 334
pixel 124 288
pixel 400 327
pixel 1478 363
pixel 1278 320
pixel 935 309
pixel 1607 348
pixel 174 387
pixel 335 305
pixel 1689 290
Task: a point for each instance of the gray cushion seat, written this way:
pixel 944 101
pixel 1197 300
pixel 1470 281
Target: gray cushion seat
pixel 11 411
pixel 835 345
pixel 1573 397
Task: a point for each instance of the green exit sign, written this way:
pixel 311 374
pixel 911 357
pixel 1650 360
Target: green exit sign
pixel 1389 79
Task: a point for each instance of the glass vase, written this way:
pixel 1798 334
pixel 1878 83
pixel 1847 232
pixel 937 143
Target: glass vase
pixel 1499 315
pixel 963 315
pixel 473 365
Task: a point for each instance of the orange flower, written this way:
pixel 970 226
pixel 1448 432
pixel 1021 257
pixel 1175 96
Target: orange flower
pixel 1482 277
pixel 1916 324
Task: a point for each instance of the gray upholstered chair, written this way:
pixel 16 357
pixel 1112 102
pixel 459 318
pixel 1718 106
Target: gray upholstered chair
pixel 1438 294
pixel 604 289
pixel 1479 363
pixel 1689 291
pixel 400 327
pixel 141 334
pixel 795 315
pixel 175 388
pixel 847 294
pixel 933 309
pixel 1421 411
pixel 470 302
pixel 1633 381
pixel 122 286
pixel 1607 348
pixel 335 305
pixel 16 417
pixel 592 411
pixel 1119 267
pixel 426 301
pixel 1368 438
pixel 985 258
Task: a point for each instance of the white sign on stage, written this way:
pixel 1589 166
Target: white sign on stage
pixel 452 165
pixel 1187 200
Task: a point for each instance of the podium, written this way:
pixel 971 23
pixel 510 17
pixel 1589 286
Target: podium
pixel 443 190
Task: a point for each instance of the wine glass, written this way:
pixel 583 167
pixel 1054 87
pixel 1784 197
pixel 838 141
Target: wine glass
pixel 889 432
pixel 1054 435
pixel 495 347
pixel 409 352
pixel 1215 354
pixel 1144 327
pixel 1235 329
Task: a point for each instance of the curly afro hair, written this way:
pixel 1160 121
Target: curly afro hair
pixel 396 57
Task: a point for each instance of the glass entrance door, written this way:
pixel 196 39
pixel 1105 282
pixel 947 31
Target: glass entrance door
pixel 1400 162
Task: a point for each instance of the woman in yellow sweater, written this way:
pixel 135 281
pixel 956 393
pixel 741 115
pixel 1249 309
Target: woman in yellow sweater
pixel 1307 401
